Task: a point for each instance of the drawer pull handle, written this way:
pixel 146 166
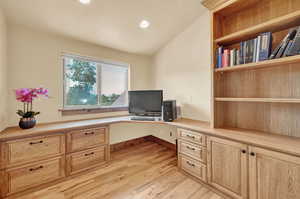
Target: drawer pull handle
pixel 88 154
pixel 191 164
pixel 91 133
pixel 244 151
pixel 39 142
pixel 37 168
pixel 191 136
pixel 191 148
pixel 252 154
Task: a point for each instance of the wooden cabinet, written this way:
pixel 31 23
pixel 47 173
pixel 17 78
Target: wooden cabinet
pixel 227 167
pixel 273 175
pixel 28 162
pixel 79 161
pixel 193 167
pixel 192 153
pixel 87 138
pixel 195 151
pixel 86 149
pixel 192 136
pixel 31 175
pixel 26 150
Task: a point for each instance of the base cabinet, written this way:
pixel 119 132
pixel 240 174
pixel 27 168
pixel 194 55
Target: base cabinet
pixel 80 161
pixel 193 167
pixel 27 163
pixel 32 175
pixel 227 167
pixel 239 170
pixel 273 175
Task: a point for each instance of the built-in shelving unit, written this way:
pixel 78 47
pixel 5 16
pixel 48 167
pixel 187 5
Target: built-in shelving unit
pixel 262 96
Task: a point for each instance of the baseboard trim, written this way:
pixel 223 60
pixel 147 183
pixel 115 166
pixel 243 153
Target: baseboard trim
pixel 137 141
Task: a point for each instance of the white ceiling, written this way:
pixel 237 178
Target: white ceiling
pixel 111 23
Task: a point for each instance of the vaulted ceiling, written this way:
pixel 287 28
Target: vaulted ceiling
pixel 111 23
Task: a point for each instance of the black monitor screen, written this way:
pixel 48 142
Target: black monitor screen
pixel 145 102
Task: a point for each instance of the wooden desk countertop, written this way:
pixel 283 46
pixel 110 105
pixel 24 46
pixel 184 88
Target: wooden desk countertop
pixel 275 142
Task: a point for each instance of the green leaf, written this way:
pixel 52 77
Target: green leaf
pixel 20 113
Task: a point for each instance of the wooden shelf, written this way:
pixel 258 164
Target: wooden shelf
pixel 277 24
pixel 264 100
pixel 262 64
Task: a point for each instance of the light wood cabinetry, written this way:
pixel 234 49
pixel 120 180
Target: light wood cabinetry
pixel 18 152
pixel 192 153
pixel 273 175
pixel 83 160
pixel 31 175
pixel 26 163
pixel 87 138
pixel 192 167
pixel 261 98
pixel 195 151
pixel 86 149
pixel 227 166
pixel 192 136
pixel 239 170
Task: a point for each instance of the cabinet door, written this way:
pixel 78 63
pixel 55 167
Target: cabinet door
pixel 273 175
pixel 227 167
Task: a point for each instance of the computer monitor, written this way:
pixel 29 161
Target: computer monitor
pixel 145 102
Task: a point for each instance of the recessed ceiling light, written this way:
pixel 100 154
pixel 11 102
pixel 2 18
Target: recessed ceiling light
pixel 85 2
pixel 144 24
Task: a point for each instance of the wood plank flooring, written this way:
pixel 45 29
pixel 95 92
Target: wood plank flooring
pixel 145 171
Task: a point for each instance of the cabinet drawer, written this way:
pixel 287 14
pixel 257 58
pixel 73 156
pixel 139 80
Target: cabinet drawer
pixel 31 149
pixel 79 161
pixel 18 179
pixel 193 167
pixel 192 136
pixel 192 150
pixel 88 138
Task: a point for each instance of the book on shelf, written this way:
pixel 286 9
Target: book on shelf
pixel 288 48
pixel 219 53
pixel 283 48
pixel 257 51
pixel 231 58
pixel 241 53
pixel 295 47
pixel 265 46
pixel 226 58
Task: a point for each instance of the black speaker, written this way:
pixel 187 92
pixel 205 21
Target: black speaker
pixel 169 110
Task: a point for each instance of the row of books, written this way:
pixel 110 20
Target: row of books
pixel 254 50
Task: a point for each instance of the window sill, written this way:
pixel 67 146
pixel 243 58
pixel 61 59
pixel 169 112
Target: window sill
pixel 77 111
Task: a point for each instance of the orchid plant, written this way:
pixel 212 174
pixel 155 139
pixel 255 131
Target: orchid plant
pixel 26 96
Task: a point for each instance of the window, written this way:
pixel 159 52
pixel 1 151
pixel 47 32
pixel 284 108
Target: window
pixel 90 84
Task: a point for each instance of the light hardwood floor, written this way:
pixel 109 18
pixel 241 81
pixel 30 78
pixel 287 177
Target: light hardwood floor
pixel 145 171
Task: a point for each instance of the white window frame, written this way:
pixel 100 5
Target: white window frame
pixel 98 61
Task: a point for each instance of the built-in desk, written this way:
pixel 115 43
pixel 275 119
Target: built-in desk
pixel 51 152
pixel 256 138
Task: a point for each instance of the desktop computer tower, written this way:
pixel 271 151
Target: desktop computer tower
pixel 169 110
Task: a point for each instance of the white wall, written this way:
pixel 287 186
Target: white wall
pixel 34 59
pixel 3 72
pixel 182 69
